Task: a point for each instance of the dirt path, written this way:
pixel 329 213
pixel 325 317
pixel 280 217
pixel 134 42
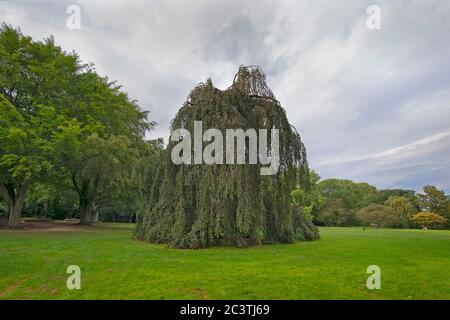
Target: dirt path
pixel 49 226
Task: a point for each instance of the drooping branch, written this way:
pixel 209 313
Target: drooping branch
pixel 201 205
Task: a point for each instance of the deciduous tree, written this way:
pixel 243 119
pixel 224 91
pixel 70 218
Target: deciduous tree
pixel 202 205
pixel 382 216
pixel 428 219
pixel 435 200
pixel 403 209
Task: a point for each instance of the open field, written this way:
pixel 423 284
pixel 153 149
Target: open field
pixel 415 264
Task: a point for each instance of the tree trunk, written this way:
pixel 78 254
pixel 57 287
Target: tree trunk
pixel 15 199
pixel 85 212
pixel 86 200
pixel 45 209
pixel 15 215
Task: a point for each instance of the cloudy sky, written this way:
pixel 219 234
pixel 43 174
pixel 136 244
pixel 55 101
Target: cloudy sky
pixel 371 105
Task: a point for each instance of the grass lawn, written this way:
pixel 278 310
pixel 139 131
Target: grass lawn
pixel 414 264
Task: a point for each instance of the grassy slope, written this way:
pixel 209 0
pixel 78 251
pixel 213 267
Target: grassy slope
pixel 414 264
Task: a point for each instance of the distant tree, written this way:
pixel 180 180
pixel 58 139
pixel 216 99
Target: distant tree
pixel 342 199
pixel 382 216
pixel 41 194
pixel 403 209
pixel 435 200
pixel 307 196
pixel 384 195
pixel 354 195
pixel 334 212
pixel 428 220
pixel 64 203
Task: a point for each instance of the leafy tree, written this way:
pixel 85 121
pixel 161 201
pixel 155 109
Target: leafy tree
pixel 435 200
pixel 384 195
pixel 201 205
pixel 108 120
pixel 41 194
pixel 31 83
pixel 48 96
pixel 354 195
pixel 307 197
pixel 403 209
pixel 130 197
pixel 95 164
pixel 22 159
pixel 334 212
pixel 343 198
pixel 428 220
pixel 64 202
pixel 382 216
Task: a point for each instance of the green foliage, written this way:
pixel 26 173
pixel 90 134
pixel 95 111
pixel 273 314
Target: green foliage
pixel 97 166
pixel 3 209
pixel 435 201
pixel 201 205
pixel 379 215
pixel 24 147
pixel 59 120
pixel 384 195
pixel 403 209
pixel 428 220
pixel 342 199
pixel 334 212
pixel 306 197
pixel 354 195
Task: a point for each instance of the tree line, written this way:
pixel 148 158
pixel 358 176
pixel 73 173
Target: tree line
pixel 342 202
pixel 72 145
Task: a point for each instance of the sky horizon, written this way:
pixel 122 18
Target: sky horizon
pixel 371 105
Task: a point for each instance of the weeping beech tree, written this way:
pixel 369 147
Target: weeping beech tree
pixel 199 205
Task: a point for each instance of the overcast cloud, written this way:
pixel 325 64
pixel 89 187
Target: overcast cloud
pixel 371 105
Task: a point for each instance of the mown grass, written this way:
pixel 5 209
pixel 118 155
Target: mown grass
pixel 414 264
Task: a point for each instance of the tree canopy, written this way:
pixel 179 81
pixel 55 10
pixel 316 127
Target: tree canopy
pixel 58 118
pixel 435 200
pixel 201 205
pixel 428 219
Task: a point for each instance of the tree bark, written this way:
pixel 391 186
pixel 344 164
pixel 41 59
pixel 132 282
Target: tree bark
pixel 15 197
pixel 45 209
pixel 15 215
pixel 86 200
pixel 85 212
